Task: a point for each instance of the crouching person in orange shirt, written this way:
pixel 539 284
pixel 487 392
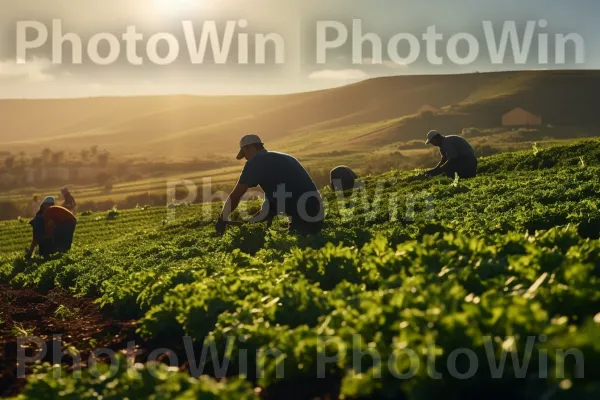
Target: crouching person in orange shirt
pixel 53 229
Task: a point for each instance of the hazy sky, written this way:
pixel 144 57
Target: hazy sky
pixel 290 28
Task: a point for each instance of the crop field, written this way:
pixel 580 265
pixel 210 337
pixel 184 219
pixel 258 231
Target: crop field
pixel 415 289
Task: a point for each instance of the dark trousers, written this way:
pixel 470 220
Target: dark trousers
pixel 61 240
pixel 306 218
pixel 63 236
pixel 465 167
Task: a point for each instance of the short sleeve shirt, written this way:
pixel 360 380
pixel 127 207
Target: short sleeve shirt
pixel 453 147
pixel 343 173
pixel 280 176
pixel 57 215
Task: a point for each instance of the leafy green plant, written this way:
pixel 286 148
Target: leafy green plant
pixel 65 313
pixel 19 331
pixel 456 180
pixel 510 254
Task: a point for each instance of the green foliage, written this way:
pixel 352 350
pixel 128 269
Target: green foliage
pixel 141 382
pixel 19 331
pixel 65 313
pixel 428 265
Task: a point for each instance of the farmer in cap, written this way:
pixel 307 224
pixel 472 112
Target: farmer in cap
pixel 53 229
pixel 457 154
pixel 288 188
pixel 342 178
pixel 69 202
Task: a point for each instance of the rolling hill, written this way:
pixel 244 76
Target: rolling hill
pixel 365 115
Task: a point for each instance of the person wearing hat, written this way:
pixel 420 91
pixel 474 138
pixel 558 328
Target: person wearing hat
pixel 458 157
pixel 342 178
pixel 53 228
pixel 288 188
pixel 69 202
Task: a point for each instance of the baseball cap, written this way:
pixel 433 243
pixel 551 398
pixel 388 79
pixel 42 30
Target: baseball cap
pixel 247 141
pixel 431 135
pixel 49 200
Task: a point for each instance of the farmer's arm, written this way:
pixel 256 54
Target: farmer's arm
pixel 233 201
pixel 250 177
pixel 32 246
pixel 438 167
pixel 443 161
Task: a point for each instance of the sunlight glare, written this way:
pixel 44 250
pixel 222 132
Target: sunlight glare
pixel 175 6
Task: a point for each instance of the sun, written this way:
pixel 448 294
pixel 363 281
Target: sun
pixel 175 6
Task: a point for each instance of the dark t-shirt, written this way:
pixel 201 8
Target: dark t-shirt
pixel 288 187
pixel 342 177
pixel 454 147
pixel 69 202
pixel 57 216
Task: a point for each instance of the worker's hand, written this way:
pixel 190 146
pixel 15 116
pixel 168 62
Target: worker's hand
pixel 430 174
pixel 220 226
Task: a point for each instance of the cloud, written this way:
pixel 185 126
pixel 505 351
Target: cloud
pixel 33 70
pixel 385 63
pixel 339 75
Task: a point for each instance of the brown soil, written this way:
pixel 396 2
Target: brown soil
pixel 24 312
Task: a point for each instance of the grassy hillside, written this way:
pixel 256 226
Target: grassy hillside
pixel 563 98
pixel 368 113
pixel 428 266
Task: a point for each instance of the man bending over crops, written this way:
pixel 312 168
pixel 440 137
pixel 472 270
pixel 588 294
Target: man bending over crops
pixel 457 154
pixel 53 229
pixel 342 178
pixel 288 188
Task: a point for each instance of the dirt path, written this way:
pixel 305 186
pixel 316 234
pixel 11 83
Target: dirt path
pixel 80 323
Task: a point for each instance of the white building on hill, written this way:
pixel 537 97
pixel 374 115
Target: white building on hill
pixel 521 117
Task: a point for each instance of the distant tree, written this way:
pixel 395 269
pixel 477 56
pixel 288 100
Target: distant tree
pixel 85 154
pixel 36 162
pixel 103 159
pixel 58 157
pixel 94 150
pixel 46 154
pixel 9 162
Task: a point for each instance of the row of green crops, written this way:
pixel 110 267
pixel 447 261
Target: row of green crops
pixel 507 261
